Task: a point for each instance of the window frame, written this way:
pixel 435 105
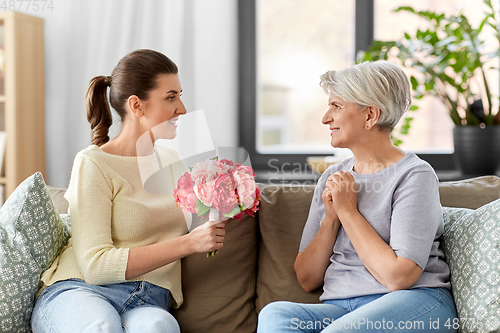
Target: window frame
pixel 247 38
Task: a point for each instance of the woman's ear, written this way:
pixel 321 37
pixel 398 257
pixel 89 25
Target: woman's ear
pixel 372 116
pixel 135 105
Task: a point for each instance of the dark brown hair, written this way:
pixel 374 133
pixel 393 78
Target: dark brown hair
pixel 135 74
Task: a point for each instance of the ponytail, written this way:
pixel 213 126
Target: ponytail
pixel 98 111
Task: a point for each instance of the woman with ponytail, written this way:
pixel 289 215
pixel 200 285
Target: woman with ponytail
pixel 121 268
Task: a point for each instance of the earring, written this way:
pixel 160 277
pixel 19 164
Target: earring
pixel 367 126
pixel 140 120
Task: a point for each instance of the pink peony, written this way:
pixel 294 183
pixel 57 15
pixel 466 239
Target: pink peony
pixel 225 165
pixel 184 194
pixel 255 207
pixel 244 179
pixel 224 195
pixel 251 211
pixel 227 162
pixel 204 174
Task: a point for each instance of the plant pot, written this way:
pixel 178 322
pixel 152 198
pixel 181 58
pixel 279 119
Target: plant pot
pixel 477 150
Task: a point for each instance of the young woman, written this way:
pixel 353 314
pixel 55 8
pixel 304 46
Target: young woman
pixel 121 268
pixel 371 239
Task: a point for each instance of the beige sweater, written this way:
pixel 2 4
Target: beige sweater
pixel 112 212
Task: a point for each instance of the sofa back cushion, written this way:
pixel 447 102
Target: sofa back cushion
pixel 282 216
pixel 60 202
pixel 470 193
pixel 219 291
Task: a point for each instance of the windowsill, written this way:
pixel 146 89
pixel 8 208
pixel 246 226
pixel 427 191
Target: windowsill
pixel 272 177
pixel 310 177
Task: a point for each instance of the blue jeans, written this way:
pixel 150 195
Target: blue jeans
pixel 75 306
pixel 414 310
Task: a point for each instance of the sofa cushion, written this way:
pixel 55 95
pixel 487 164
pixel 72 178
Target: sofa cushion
pixel 282 216
pixel 219 291
pixel 471 246
pixel 470 193
pixel 31 235
pixel 58 198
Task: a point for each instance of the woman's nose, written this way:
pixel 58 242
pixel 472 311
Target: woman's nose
pixel 181 109
pixel 327 117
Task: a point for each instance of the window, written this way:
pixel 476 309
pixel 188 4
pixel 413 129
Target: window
pixel 296 42
pixel 431 128
pixel 286 44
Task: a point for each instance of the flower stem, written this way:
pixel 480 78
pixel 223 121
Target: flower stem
pixel 211 254
pixel 213 216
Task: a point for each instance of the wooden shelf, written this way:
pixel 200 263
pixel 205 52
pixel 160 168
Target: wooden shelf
pixel 23 100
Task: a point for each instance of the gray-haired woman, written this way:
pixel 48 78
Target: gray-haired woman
pixel 371 239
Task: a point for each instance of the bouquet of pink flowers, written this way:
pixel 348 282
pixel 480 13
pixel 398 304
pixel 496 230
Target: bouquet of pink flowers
pixel 215 189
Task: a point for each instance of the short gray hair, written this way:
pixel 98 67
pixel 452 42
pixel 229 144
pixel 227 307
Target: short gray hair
pixel 378 84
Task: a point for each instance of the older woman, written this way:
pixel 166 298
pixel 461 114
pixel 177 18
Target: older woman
pixel 371 239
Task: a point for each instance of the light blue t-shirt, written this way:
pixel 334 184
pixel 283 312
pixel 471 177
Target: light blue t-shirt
pixel 401 202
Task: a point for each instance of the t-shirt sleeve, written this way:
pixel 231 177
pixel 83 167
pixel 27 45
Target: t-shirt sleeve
pixel 416 216
pixel 316 215
pixel 90 199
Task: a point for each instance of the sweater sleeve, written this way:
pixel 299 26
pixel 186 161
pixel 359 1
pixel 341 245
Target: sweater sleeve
pixel 90 198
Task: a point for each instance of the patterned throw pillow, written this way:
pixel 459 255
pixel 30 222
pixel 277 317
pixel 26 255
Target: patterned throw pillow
pixel 472 248
pixel 31 235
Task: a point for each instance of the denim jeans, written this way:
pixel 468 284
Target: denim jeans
pixel 414 310
pixel 75 306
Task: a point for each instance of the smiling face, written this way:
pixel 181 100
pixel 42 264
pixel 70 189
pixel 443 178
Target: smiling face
pixel 163 107
pixel 345 120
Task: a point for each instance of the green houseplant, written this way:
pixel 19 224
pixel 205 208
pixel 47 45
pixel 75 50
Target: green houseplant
pixel 449 60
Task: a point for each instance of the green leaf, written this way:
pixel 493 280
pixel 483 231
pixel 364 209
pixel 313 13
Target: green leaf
pixel 396 142
pixel 233 212
pixel 405 129
pixel 201 208
pixel 204 217
pixel 414 82
pixel 404 8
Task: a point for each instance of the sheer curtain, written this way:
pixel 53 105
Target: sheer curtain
pixel 86 38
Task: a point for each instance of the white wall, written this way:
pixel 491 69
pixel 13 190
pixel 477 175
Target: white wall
pixel 85 38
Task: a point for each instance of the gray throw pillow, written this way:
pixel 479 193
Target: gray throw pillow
pixel 31 235
pixel 471 243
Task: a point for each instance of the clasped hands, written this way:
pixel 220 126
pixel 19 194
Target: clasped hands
pixel 340 195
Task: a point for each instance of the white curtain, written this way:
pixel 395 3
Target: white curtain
pixel 86 38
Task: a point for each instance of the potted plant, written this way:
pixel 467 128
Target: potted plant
pixel 450 61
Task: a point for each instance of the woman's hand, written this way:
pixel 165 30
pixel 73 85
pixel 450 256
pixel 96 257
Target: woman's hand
pixel 208 237
pixel 344 192
pixel 328 202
